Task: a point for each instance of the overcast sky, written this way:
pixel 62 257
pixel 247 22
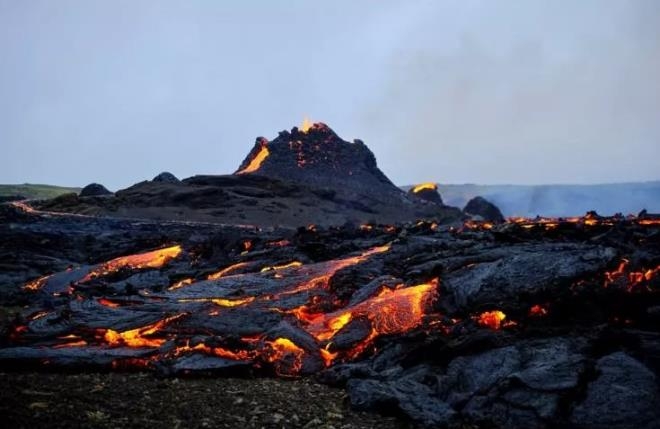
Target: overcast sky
pixel 458 91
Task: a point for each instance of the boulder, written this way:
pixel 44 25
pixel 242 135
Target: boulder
pixel 479 206
pixel 94 190
pixel 624 395
pixel 166 177
pixel 426 192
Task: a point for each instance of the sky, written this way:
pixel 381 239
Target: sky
pixel 489 92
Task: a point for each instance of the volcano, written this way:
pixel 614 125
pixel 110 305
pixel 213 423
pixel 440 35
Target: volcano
pixel 315 155
pixel 304 176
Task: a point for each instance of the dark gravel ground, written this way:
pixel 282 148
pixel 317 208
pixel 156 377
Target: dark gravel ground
pixel 118 400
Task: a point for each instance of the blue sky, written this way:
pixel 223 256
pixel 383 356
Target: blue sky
pixel 486 92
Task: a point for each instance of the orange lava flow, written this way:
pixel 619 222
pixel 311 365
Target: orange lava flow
pixel 136 337
pixel 180 284
pixel 633 278
pixel 491 319
pixel 285 350
pixel 153 259
pixel 282 267
pixel 425 187
pixel 36 284
pixel 222 302
pixel 322 280
pixel 256 162
pixel 391 311
pixel 537 311
pixel 216 351
pixel 225 271
pixel 107 303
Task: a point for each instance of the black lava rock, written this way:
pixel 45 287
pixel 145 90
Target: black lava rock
pixel 94 190
pixel 426 192
pixel 479 206
pixel 166 177
pixel 319 158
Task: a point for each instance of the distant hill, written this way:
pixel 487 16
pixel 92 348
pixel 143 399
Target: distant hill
pixel 33 191
pixel 559 200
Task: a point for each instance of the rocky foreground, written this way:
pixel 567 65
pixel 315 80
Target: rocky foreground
pixel 523 324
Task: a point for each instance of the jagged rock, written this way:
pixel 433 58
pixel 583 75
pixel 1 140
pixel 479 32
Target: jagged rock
pixel 94 190
pixel 518 386
pixel 503 278
pixel 166 177
pixel 488 211
pixel 414 399
pixel 624 395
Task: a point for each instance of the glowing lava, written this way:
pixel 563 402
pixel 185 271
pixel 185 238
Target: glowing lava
pixel 306 125
pixel 425 187
pixel 334 266
pixel 225 271
pixel 632 279
pixel 491 319
pixel 537 311
pixel 256 162
pixel 391 311
pixel 37 284
pixel 284 351
pixel 282 267
pixel 139 337
pixel 153 259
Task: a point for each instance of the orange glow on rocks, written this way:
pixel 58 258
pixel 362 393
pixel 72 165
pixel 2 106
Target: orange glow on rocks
pixel 222 302
pixel 153 259
pixel 322 280
pixel 537 311
pixel 391 311
pixel 256 162
pixel 226 271
pixel 139 337
pixel 216 351
pixel 631 279
pixel 491 319
pixel 282 267
pixel 107 303
pixel 181 283
pixel 37 284
pixel 425 187
pixel 285 351
pixel 306 125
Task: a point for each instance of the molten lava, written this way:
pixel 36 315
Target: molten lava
pixel 153 259
pixel 282 267
pixel 321 281
pixel 139 337
pixel 226 271
pixel 425 187
pixel 256 162
pixel 491 319
pixel 631 279
pixel 537 311
pixel 286 356
pixel 36 284
pixel 391 311
pixel 306 125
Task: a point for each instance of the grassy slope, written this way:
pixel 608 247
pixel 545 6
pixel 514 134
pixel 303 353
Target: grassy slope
pixel 35 191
